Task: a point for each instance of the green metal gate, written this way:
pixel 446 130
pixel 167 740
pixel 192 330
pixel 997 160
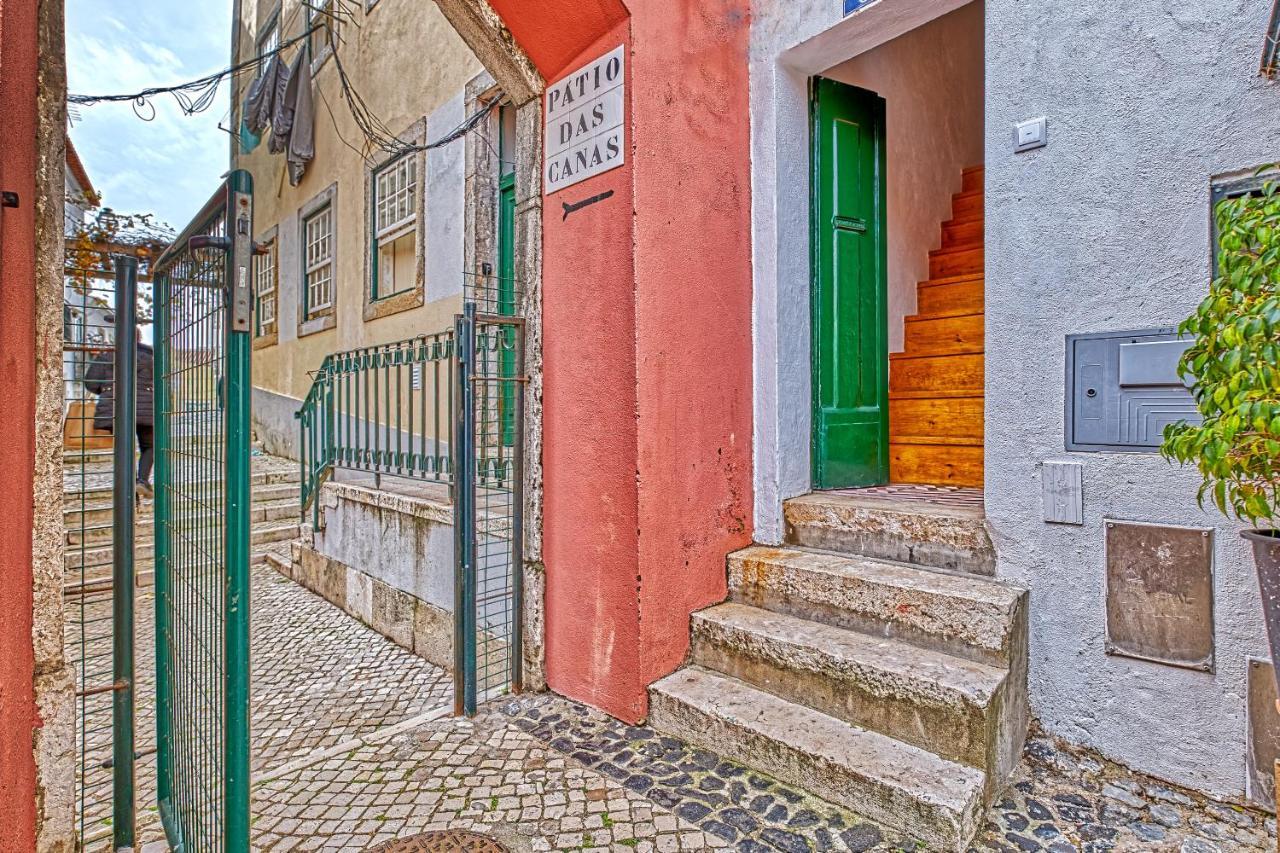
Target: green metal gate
pixel 202 443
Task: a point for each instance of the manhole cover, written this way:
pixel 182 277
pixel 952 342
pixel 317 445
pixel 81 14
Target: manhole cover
pixel 441 841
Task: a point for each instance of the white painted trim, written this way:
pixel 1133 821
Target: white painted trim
pixel 789 45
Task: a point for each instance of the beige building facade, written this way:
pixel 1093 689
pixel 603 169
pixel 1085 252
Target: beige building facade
pixel 368 247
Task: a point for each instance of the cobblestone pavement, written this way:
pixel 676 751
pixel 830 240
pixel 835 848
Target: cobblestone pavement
pixel 319 679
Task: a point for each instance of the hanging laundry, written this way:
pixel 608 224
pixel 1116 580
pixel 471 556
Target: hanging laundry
pixel 302 136
pixel 264 93
pixel 285 105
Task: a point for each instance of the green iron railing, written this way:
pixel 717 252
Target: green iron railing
pixel 202 449
pixel 380 410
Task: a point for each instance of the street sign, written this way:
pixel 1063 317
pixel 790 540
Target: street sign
pixel 586 130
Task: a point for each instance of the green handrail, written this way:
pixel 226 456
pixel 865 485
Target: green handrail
pixel 380 410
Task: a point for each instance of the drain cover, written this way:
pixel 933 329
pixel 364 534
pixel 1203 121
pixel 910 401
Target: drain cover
pixel 441 841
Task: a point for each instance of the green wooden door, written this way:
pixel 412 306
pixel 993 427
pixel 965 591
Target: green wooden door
pixel 849 288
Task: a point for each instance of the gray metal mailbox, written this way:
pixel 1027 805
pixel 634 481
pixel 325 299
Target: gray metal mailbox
pixel 1123 388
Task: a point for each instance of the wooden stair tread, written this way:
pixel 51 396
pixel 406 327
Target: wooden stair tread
pixel 946 393
pixel 905 356
pixel 936 387
pixel 940 440
pixel 954 279
pixel 942 315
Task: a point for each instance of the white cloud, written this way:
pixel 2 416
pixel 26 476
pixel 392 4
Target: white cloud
pixel 169 165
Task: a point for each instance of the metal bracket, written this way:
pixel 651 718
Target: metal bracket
pixel 240 284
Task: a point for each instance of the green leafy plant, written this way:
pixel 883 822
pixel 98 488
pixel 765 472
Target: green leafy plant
pixel 1233 366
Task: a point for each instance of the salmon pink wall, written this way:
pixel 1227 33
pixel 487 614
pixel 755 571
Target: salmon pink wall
pixel 647 350
pixel 18 718
pixel 554 33
pixel 691 141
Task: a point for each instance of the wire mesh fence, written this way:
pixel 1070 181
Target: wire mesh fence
pixel 89 343
pixel 202 498
pixel 490 495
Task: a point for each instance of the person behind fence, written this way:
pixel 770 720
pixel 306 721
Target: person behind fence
pixel 100 380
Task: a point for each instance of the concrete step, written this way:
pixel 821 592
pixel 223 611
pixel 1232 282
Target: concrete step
pixel 96 556
pixel 945 704
pixel 97 489
pixel 904 787
pixel 97 523
pixel 973 618
pixel 906 531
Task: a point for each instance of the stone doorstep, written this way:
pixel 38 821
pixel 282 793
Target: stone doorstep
pixel 943 537
pixel 969 617
pixel 949 706
pixel 890 782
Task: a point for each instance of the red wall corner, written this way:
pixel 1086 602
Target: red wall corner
pixel 18 716
pixel 647 358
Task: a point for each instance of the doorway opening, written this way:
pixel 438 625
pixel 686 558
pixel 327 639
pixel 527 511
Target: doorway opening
pixel 897 261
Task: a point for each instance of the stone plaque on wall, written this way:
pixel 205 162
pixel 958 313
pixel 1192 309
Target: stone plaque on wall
pixel 1160 593
pixel 1264 734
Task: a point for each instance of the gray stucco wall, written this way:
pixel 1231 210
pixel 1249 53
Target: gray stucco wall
pixel 274 423
pixel 1108 229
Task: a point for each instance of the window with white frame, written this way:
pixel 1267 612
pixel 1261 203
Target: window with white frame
pixel 395 227
pixel 317 236
pixel 265 279
pixel 320 14
pixel 269 40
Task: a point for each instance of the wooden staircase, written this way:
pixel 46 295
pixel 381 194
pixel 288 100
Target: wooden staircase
pixel 936 383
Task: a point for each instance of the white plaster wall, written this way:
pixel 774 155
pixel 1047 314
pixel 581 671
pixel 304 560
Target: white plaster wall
pixel 411 554
pixel 445 204
pixel 792 40
pixel 1108 229
pixel 931 79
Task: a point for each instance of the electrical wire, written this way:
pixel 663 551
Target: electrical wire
pixel 196 96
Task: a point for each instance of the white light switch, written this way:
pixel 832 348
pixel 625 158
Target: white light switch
pixel 1031 134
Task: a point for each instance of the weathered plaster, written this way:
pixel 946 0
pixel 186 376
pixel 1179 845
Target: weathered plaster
pixel 53 739
pixel 1108 229
pixel 792 40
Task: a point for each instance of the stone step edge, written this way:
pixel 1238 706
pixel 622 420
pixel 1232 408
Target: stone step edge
pixel 888 781
pixel 781 587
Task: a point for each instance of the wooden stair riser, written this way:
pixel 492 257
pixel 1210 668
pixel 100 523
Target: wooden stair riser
pixel 944 335
pixel 957 234
pixel 967 206
pixel 943 417
pixel 936 464
pixel 946 264
pixel 936 373
pixel 972 179
pixel 962 296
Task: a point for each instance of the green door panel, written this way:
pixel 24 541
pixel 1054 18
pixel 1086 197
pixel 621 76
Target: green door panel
pixel 849 297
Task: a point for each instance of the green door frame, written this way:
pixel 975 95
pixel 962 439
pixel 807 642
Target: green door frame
pixel 849 287
pixel 507 270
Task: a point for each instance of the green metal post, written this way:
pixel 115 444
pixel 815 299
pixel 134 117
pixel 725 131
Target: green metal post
pixel 122 530
pixel 163 564
pixel 239 347
pixel 464 613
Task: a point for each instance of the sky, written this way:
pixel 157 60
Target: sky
pixel 171 165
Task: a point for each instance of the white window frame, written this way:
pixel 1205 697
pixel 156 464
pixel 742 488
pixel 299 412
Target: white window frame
pixel 266 279
pixel 317 259
pixel 269 39
pixel 395 213
pixel 323 9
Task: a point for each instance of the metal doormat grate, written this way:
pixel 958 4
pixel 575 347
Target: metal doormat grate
pixel 954 496
pixel 441 841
